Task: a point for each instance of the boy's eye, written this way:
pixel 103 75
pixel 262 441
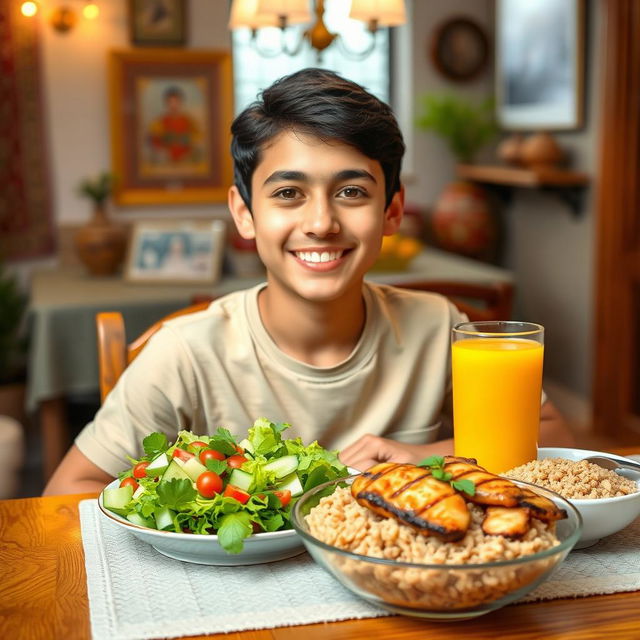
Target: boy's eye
pixel 286 194
pixel 352 192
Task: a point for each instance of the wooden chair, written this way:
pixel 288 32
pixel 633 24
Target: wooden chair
pixel 478 301
pixel 492 301
pixel 114 354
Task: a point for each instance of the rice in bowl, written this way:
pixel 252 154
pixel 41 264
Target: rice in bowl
pixel 338 520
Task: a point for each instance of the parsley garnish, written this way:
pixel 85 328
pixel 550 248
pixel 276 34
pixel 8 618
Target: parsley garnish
pixel 436 464
pixel 155 443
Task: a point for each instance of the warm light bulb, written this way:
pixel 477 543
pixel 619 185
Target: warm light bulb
pixel 29 9
pixel 91 11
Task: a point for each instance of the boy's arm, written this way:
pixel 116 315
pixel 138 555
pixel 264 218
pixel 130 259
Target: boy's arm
pixel 369 450
pixel 76 474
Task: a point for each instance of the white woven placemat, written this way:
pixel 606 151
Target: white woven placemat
pixel 137 593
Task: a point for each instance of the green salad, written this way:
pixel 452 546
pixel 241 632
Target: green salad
pixel 217 485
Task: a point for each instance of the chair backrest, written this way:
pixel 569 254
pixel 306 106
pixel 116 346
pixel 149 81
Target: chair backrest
pixel 114 353
pixel 491 301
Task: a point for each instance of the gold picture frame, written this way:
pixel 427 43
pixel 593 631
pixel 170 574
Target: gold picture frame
pixel 171 112
pixel 176 252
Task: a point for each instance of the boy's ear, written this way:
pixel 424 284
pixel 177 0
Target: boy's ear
pixel 394 212
pixel 241 214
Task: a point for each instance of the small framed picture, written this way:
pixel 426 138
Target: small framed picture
pixel 158 22
pixel 166 251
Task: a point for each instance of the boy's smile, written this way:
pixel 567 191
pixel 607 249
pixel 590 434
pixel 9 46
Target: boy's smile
pixel 318 216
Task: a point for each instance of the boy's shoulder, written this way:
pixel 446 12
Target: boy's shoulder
pixel 409 299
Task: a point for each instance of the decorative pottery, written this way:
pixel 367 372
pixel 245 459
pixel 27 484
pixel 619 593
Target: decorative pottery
pixel 101 244
pixel 510 149
pixel 463 221
pixel 541 151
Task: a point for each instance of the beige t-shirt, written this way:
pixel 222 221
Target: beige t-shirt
pixel 220 367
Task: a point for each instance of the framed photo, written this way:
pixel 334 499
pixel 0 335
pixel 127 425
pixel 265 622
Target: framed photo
pixel 460 49
pixel 539 64
pixel 165 251
pixel 158 22
pixel 171 113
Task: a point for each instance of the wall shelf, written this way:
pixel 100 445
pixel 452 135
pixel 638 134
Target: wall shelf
pixel 569 186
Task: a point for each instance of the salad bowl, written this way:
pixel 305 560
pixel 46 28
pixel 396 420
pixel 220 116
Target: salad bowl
pixel 205 549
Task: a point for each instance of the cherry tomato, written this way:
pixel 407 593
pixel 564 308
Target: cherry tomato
pixel 208 484
pixel 130 482
pixel 182 454
pixel 284 495
pixel 197 445
pixel 139 470
pixel 210 454
pixel 234 492
pixel 239 449
pixel 235 462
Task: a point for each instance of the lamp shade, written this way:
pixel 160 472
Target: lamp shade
pixel 244 13
pixel 295 11
pixel 386 13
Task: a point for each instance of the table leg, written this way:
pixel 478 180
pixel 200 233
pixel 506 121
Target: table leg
pixel 54 430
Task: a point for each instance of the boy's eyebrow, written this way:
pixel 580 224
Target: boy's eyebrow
pixel 300 176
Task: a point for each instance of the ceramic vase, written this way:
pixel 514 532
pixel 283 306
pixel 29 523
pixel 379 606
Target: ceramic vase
pixel 101 244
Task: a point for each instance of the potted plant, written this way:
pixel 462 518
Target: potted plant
pixel 461 218
pixel 13 346
pixel 100 244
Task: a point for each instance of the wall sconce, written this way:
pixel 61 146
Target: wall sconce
pixel 256 14
pixel 64 17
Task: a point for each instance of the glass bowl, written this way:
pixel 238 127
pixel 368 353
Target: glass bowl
pixel 437 591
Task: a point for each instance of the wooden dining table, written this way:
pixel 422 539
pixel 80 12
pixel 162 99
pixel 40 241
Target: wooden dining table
pixel 43 594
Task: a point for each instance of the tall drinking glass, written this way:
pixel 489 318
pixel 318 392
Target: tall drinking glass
pixel 497 389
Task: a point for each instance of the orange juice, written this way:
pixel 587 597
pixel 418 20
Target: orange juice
pixel 497 387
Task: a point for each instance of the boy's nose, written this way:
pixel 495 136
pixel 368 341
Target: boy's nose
pixel 319 219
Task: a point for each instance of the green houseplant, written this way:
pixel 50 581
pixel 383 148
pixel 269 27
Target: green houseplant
pixel 464 125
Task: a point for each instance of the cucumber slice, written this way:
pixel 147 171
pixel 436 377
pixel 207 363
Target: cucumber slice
pixel 135 518
pixel 246 445
pixel 291 482
pixel 138 492
pixel 164 518
pixel 157 466
pixel 241 479
pixel 282 466
pixel 193 468
pixel 117 499
pixel 174 470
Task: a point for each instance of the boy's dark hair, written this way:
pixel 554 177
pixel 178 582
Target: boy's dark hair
pixel 325 105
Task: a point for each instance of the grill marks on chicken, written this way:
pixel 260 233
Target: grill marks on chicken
pixel 411 494
pixel 433 507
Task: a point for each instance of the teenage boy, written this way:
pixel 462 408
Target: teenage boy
pixel 361 367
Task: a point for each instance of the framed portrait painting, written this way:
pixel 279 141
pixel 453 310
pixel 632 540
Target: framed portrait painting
pixel 158 22
pixel 540 64
pixel 166 251
pixel 171 112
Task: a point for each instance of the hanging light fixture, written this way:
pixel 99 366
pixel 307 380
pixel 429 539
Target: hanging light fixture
pixel 256 14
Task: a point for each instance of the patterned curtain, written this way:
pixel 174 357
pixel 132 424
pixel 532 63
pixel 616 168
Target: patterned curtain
pixel 26 225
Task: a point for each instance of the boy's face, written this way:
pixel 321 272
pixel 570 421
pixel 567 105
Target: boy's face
pixel 318 215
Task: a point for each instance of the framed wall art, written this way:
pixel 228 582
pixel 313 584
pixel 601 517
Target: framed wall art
pixel 165 251
pixel 540 64
pixel 158 22
pixel 171 112
pixel 459 49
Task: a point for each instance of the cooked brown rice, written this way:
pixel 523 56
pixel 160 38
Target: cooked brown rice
pixel 574 480
pixel 340 521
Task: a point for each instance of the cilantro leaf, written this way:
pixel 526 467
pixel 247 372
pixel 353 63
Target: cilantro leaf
pixel 441 474
pixel 155 443
pixel 432 461
pixel 234 528
pixel 465 485
pixel 217 466
pixel 176 493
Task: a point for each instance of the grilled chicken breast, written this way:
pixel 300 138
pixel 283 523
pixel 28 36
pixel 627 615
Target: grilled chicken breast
pixel 413 496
